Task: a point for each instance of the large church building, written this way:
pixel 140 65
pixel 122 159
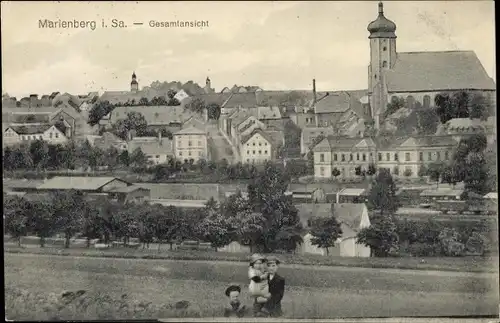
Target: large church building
pixel 418 76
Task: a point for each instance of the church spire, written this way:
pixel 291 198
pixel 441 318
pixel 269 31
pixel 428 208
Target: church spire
pixel 134 86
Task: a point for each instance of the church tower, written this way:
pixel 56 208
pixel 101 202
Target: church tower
pixel 134 86
pixel 382 57
pixel 208 86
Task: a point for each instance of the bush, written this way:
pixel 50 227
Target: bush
pixel 424 250
pixel 476 244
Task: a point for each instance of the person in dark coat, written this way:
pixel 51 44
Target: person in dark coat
pixel 235 309
pixel 276 288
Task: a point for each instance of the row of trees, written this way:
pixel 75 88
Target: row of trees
pixel 266 221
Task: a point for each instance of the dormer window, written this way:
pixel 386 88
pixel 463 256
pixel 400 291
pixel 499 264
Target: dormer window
pixel 384 64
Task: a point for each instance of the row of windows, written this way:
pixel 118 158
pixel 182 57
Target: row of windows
pixel 190 143
pixel 420 157
pixel 343 157
pixel 190 153
pixel 260 152
pixel 260 144
pixel 253 160
pixel 387 156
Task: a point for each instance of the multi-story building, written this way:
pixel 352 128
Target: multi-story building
pixel 53 134
pixel 191 143
pixel 401 156
pixel 157 149
pixel 261 146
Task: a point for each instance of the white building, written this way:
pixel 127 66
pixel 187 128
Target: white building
pixel 191 143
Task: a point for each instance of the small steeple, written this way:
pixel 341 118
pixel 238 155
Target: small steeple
pixel 134 85
pixel 382 27
pixel 380 8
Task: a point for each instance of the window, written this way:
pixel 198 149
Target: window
pixel 421 156
pixel 189 153
pixel 357 156
pixel 322 157
pixel 379 156
pixel 322 171
pixel 438 155
pixel 446 155
pixel 254 143
pixel 265 152
pixel 407 157
pixel 343 157
pixel 384 49
pixel 190 143
pixel 157 156
pixel 351 157
pixel 50 135
pixel 248 145
pixel 180 153
pixel 396 156
pixel 179 144
pixel 57 135
pixel 199 143
pixel 260 144
pixel 429 155
pixel 248 160
pixel 334 157
pixel 265 144
pixel 253 152
pixel 384 64
pixel 371 156
pixel 41 138
pixel 260 152
pixel 388 156
pixel 364 157
pixel 248 152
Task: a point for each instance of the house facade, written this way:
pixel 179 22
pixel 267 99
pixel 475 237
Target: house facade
pixel 191 143
pixel 52 134
pixel 352 218
pixel 401 156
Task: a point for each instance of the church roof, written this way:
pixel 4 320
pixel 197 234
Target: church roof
pixel 438 71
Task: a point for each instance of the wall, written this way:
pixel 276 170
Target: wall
pixel 235 247
pixel 256 150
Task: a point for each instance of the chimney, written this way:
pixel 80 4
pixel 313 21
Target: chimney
pixel 314 92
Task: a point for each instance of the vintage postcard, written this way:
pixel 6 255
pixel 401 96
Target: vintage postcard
pixel 266 161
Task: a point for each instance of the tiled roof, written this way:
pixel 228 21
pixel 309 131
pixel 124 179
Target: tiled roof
pixel 21 183
pixel 121 97
pixel 69 99
pixel 76 182
pixel 435 141
pixel 442 192
pixel 457 123
pixel 346 213
pixel 31 129
pixel 190 131
pixel 343 142
pixel 387 142
pixel 239 116
pixel 216 98
pixel 154 115
pixel 308 134
pixel 152 147
pixel 438 71
pixel 183 191
pixel 277 137
pixel 339 101
pixel 261 132
pixel 243 100
pixel 268 112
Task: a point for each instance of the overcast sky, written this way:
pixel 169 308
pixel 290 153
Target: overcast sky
pixel 276 45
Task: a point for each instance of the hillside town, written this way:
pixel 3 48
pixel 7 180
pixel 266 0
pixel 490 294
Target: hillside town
pixel 420 108
pixel 368 195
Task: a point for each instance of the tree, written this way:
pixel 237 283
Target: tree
pixel 138 158
pixel 39 153
pixel 476 174
pixel 381 236
pixel 171 93
pixel 143 101
pixel 325 231
pixel 422 171
pixel 479 107
pixel 123 158
pixel 213 111
pixel 435 170
pixel 92 225
pixel 358 171
pixel 98 111
pixel 393 106
pixel 197 105
pixel 382 196
pixel 134 121
pixel 335 172
pixel 427 121
pixel 68 208
pixel 476 243
pixel 460 104
pixel 215 228
pixel 450 244
pixel 16 218
pixel 41 220
pixel 167 134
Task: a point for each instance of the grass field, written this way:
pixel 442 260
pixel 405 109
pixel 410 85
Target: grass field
pixel 463 264
pixel 311 292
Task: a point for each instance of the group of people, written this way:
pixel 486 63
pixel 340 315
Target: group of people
pixel 266 288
